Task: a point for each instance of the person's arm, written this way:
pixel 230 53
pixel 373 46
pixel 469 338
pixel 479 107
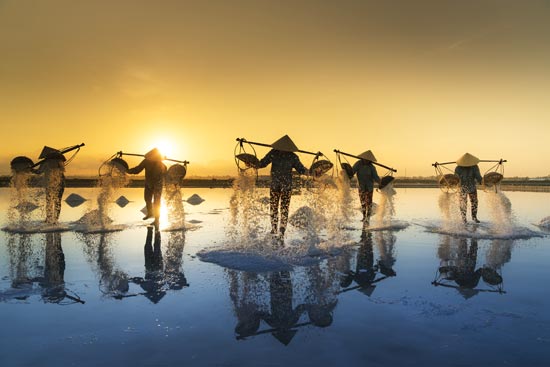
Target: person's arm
pixel 477 174
pixel 298 166
pixel 137 169
pixel 356 166
pixel 375 176
pixel 266 160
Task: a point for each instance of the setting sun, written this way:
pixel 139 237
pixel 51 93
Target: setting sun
pixel 166 147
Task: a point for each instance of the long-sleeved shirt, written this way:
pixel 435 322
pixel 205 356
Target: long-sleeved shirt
pixel 154 172
pixel 468 178
pixel 366 175
pixel 282 164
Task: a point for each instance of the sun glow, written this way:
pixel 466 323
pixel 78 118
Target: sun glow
pixel 166 147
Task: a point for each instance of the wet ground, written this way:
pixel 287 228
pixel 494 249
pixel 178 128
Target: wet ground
pixel 413 294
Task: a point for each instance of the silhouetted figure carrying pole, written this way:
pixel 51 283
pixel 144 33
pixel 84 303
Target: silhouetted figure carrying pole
pixel 154 181
pixel 283 160
pixel 468 172
pixel 366 176
pixel 52 165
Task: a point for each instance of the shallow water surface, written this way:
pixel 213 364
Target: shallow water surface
pixel 416 293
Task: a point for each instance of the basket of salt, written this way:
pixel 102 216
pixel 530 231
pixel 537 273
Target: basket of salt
pixel 492 178
pixel 347 168
pixel 320 167
pixel 176 173
pixel 385 181
pixel 450 180
pixel 21 164
pixel 250 160
pixel 119 164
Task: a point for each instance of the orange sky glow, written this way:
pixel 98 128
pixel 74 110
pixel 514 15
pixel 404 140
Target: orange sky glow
pixel 414 81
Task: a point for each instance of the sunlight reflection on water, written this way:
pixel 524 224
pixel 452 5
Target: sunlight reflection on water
pixel 434 296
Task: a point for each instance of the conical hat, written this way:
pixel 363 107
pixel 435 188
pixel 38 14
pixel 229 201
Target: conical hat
pixel 285 144
pixel 467 160
pixel 368 156
pixel 154 155
pixel 47 152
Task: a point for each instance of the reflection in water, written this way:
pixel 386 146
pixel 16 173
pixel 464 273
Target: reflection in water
pixel 283 317
pixel 282 300
pixel 459 265
pixel 45 268
pixel 367 272
pixel 22 255
pixel 247 292
pixel 265 297
pixel 113 282
pixel 162 275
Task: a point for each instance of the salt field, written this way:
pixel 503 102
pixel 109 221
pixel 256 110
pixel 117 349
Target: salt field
pixel 214 288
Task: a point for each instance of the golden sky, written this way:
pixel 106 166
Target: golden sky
pixel 414 81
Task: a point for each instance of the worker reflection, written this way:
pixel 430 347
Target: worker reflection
pixel 152 283
pixel 366 271
pixel 161 274
pixel 459 263
pixel 283 317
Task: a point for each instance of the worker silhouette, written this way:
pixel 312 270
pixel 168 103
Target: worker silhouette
pixel 366 176
pixel 154 182
pixel 468 172
pixel 283 160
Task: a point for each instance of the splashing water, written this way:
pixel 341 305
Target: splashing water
pixel 385 243
pixel 247 210
pixel 386 207
pixel 53 183
pixel 327 213
pixel 174 203
pixel 450 210
pixel 23 198
pixel 113 282
pixel 108 185
pixel 345 197
pixel 500 211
